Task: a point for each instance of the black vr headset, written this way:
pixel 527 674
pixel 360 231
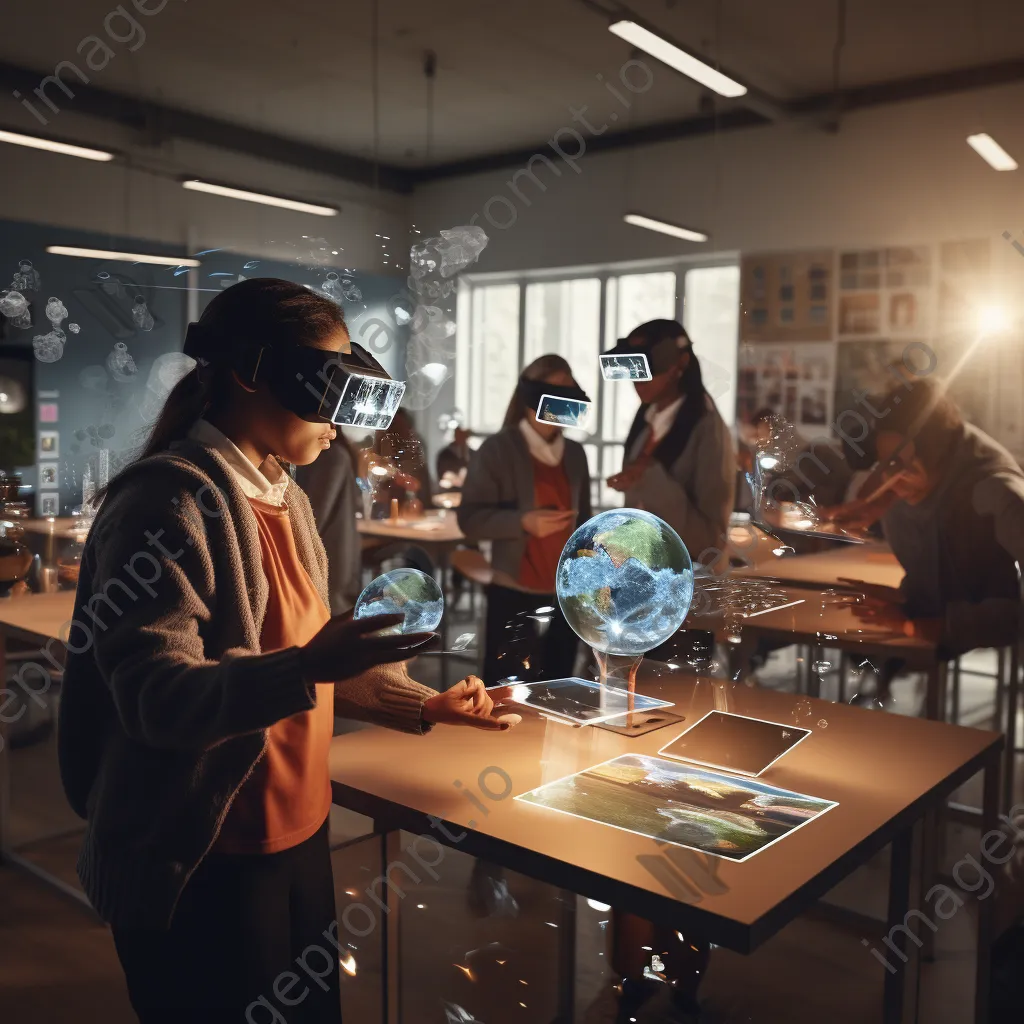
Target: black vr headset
pixel 532 391
pixel 349 389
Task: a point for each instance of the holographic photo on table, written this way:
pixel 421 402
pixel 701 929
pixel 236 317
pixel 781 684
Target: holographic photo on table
pixel 625 367
pixel 721 815
pixel 562 412
pixel 581 701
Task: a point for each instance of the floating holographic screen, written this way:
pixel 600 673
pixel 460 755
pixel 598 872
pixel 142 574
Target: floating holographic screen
pixel 368 402
pixel 628 367
pixel 734 743
pixel 582 701
pixel 724 816
pixel 563 412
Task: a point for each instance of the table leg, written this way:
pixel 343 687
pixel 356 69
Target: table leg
pixel 567 960
pixel 935 693
pixel 390 947
pixel 983 969
pixel 5 762
pixel 906 966
pixel 1009 753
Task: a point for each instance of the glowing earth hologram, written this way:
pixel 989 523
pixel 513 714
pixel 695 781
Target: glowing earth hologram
pixel 624 582
pixel 407 592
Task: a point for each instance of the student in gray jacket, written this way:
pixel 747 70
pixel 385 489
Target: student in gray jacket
pixel 679 461
pixel 526 490
pixel 202 673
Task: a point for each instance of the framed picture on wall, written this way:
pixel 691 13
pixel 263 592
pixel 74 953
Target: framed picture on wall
pixel 49 504
pixel 49 444
pixel 48 474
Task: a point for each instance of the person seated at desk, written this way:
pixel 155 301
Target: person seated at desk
pixel 678 461
pixel 527 489
pixel 951 503
pixel 400 455
pixel 453 461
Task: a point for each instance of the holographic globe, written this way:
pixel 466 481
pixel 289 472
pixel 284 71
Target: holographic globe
pixel 407 592
pixel 624 582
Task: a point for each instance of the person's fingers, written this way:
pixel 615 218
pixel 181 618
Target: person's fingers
pixel 371 623
pixel 490 724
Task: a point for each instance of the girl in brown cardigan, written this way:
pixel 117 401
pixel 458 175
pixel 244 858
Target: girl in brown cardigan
pixel 203 673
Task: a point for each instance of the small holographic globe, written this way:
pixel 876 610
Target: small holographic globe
pixel 624 581
pixel 407 592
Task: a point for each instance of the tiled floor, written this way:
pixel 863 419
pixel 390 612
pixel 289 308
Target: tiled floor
pixel 57 963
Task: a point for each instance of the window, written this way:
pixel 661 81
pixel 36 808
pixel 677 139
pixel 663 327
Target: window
pixel 711 316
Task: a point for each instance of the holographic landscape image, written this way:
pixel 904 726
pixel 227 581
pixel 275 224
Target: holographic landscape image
pixel 701 810
pixel 563 412
pixel 368 402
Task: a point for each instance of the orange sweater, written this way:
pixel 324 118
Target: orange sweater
pixel 540 559
pixel 288 795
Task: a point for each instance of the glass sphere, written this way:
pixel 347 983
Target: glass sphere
pixel 407 592
pixel 624 581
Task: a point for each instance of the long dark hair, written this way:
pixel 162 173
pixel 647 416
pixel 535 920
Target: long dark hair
pixel 242 317
pixel 541 367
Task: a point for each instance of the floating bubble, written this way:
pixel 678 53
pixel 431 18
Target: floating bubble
pixel 141 314
pixel 23 320
pixel 13 303
pixel 822 724
pixel 451 420
pixel 332 287
pixel 460 247
pixel 463 641
pixel 350 291
pixel 803 708
pixel 74 328
pixel 56 311
pixel 407 592
pixel 48 348
pixel 107 430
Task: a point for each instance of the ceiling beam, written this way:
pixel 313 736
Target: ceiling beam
pixel 832 105
pixel 158 121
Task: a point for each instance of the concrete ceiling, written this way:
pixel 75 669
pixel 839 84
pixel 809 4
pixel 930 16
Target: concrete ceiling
pixel 507 70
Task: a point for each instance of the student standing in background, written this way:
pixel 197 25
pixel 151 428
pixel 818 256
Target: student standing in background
pixel 527 489
pixel 679 462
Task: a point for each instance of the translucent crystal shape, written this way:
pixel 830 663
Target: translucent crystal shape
pixel 13 303
pixel 48 348
pixel 56 311
pixel 29 276
pixel 624 581
pixel 332 287
pixel 74 328
pixel 460 247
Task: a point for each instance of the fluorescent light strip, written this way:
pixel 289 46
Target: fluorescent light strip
pixel 991 152
pixel 126 257
pixel 259 197
pixel 34 142
pixel 670 54
pixel 640 221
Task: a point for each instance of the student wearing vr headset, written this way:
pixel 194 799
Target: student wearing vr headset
pixel 679 461
pixel 526 490
pixel 204 668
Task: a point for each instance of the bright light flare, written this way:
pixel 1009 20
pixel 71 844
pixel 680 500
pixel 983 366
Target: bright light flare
pixel 348 964
pixel 993 319
pixel 991 152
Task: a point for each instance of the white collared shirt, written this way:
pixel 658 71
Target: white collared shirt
pixel 267 483
pixel 661 420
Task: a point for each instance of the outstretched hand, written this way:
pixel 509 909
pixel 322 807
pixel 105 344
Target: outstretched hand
pixel 346 647
pixel 466 703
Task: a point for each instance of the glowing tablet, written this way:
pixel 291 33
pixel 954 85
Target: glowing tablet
pixel 581 701
pixel 625 367
pixel 562 412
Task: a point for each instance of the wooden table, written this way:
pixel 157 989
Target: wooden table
pixel 874 564
pixel 885 771
pixel 36 619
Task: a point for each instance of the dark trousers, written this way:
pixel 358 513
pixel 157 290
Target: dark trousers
pixel 517 644
pixel 230 954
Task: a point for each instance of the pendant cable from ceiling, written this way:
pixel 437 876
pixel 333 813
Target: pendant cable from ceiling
pixel 430 73
pixel 375 86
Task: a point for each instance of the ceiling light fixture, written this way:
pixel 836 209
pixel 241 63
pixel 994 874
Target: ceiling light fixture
pixel 125 257
pixel 991 152
pixel 195 185
pixel 675 230
pixel 670 54
pixel 34 142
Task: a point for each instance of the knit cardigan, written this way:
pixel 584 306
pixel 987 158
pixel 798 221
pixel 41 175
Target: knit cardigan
pixel 167 698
